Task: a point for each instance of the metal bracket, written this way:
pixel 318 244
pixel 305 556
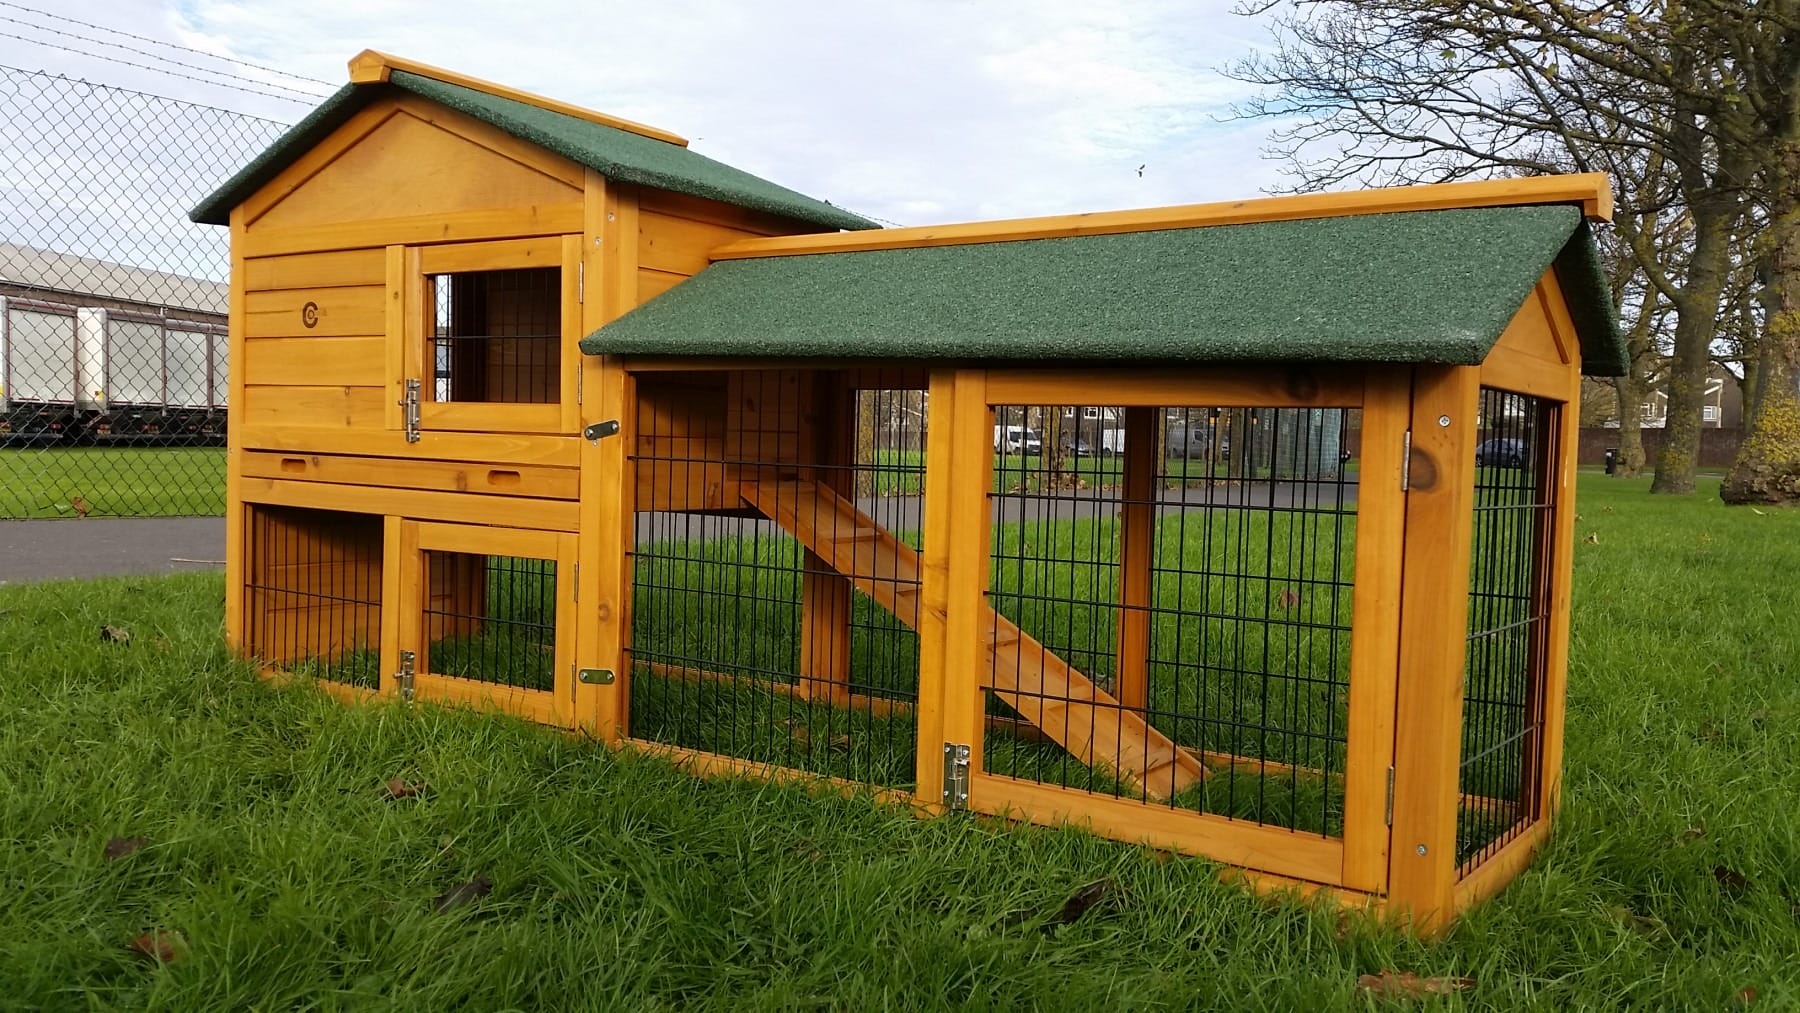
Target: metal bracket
pixel 404 678
pixel 1390 797
pixel 410 404
pixel 956 776
pixel 1406 461
pixel 595 676
pixel 601 430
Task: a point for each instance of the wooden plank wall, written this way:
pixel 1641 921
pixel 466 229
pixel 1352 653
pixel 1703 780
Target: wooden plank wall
pixel 332 374
pixel 677 232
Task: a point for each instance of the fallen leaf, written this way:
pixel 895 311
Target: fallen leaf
pixel 1593 538
pixel 119 847
pixel 1746 995
pixel 1644 925
pixel 1692 833
pixel 840 743
pixel 115 635
pixel 1730 878
pixel 1287 599
pixel 160 945
pixel 798 732
pixel 399 787
pixel 1081 903
pixel 80 505
pixel 1407 985
pixel 463 893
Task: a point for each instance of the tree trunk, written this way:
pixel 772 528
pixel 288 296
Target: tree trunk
pixel 1696 324
pixel 1631 423
pixel 1767 469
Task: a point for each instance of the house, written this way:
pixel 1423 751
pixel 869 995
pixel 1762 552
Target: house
pixel 1722 407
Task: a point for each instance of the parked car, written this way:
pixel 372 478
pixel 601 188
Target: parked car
pixel 1501 453
pixel 1080 447
pixel 1017 440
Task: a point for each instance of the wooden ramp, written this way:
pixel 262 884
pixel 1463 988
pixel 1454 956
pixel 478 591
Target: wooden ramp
pixel 1044 689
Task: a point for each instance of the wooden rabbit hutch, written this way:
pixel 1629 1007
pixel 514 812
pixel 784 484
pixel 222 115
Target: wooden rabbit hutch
pixel 1241 529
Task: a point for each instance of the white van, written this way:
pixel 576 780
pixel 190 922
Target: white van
pixel 1017 440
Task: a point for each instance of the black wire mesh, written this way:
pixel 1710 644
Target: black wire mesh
pixel 1508 606
pixel 312 593
pixel 497 336
pixel 112 333
pixel 775 579
pixel 1219 645
pixel 490 619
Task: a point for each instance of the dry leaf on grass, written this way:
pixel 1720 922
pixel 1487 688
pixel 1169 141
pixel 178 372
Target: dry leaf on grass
pixel 1593 538
pixel 399 787
pixel 463 893
pixel 1287 599
pixel 1646 925
pixel 160 945
pixel 115 635
pixel 1083 901
pixel 1693 833
pixel 1730 878
pixel 1746 995
pixel 119 847
pixel 1407 985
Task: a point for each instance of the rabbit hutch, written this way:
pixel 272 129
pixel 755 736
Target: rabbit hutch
pixel 1241 530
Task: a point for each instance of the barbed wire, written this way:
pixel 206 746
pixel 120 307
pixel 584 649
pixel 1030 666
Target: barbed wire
pixel 162 70
pixel 160 42
pixel 155 56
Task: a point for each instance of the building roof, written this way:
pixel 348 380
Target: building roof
pixel 1435 286
pixel 68 274
pixel 617 149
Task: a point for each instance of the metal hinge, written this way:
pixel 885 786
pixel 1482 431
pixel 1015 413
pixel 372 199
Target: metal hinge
pixel 581 281
pixel 580 382
pixel 578 583
pixel 594 676
pixel 410 405
pixel 601 430
pixel 1406 461
pixel 404 678
pixel 1390 798
pixel 956 776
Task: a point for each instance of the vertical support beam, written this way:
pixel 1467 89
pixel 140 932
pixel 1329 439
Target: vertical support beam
pixel 1375 627
pixel 1434 627
pixel 392 597
pixel 394 323
pixel 235 545
pixel 934 587
pixel 1137 536
pixel 969 540
pixel 408 602
pixel 1561 562
pixel 828 440
pixel 609 255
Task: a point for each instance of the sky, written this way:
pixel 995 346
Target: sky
pixel 909 111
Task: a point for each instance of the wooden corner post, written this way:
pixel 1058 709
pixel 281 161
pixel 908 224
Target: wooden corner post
pixel 1137 534
pixel 1434 622
pixel 828 441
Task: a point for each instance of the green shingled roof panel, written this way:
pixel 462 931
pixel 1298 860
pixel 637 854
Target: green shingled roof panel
pixel 616 154
pixel 1428 286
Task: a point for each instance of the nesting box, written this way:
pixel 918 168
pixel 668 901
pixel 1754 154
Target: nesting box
pixel 1242 529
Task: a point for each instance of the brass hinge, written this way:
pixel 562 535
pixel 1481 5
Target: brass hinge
pixel 1406 461
pixel 956 776
pixel 580 378
pixel 1390 798
pixel 404 677
pixel 581 281
pixel 410 404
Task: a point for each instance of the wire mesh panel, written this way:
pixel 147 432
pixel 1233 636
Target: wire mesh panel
pixel 1508 616
pixel 490 619
pixel 312 593
pixel 775 574
pixel 125 413
pixel 497 336
pixel 1171 594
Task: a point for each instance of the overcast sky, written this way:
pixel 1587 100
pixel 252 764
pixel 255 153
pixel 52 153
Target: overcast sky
pixel 911 111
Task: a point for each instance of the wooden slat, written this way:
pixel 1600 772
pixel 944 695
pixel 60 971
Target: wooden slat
pixel 530 704
pixel 315 270
pixel 395 264
pixel 828 438
pixel 519 512
pixel 1238 842
pixel 447 476
pixel 1223 386
pixel 706 764
pixel 469 416
pixel 349 311
pixel 554 451
pixel 394 546
pixel 1433 627
pixel 1591 190
pixel 654 283
pixel 1267 884
pixel 486 541
pixel 457 227
pixel 934 591
pixel 504 254
pixel 568 359
pixel 1491 876
pixel 235 512
pixel 296 409
pixel 701 209
pixel 315 362
pixel 1137 537
pixel 1375 628
pixel 370 66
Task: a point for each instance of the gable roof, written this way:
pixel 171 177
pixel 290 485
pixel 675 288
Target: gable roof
pixel 616 149
pixel 1436 286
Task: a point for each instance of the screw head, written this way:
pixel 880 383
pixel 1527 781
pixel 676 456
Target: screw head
pixel 1443 421
pixel 1421 849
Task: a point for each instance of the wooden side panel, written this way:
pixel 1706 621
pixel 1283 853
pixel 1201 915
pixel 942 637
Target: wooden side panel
pixel 763 420
pixel 410 166
pixel 681 445
pixel 313 353
pixel 447 476
pixel 315 362
pixel 1137 536
pixel 296 409
pixel 676 234
pixel 1531 357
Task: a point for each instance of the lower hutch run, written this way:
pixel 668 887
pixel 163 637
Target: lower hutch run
pixel 1241 529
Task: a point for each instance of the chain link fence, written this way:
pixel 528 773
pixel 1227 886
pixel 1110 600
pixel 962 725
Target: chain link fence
pixel 112 304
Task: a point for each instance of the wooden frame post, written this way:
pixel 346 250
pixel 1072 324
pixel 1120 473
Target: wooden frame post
pixel 1137 536
pixel 235 510
pixel 828 440
pixel 1433 626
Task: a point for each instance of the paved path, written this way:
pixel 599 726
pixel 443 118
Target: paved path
pixel 101 547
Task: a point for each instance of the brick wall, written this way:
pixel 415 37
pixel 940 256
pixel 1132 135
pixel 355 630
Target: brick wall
pixel 1718 447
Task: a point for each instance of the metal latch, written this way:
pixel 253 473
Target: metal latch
pixel 956 776
pixel 595 676
pixel 601 430
pixel 1390 797
pixel 1406 462
pixel 404 678
pixel 410 404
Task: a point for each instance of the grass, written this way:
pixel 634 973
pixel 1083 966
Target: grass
pixel 114 481
pixel 901 472
pixel 622 883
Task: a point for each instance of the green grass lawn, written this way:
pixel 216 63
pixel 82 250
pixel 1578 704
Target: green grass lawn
pixel 1673 881
pixel 114 481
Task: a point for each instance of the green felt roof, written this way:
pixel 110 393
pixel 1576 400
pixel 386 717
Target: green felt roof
pixel 1424 286
pixel 616 154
